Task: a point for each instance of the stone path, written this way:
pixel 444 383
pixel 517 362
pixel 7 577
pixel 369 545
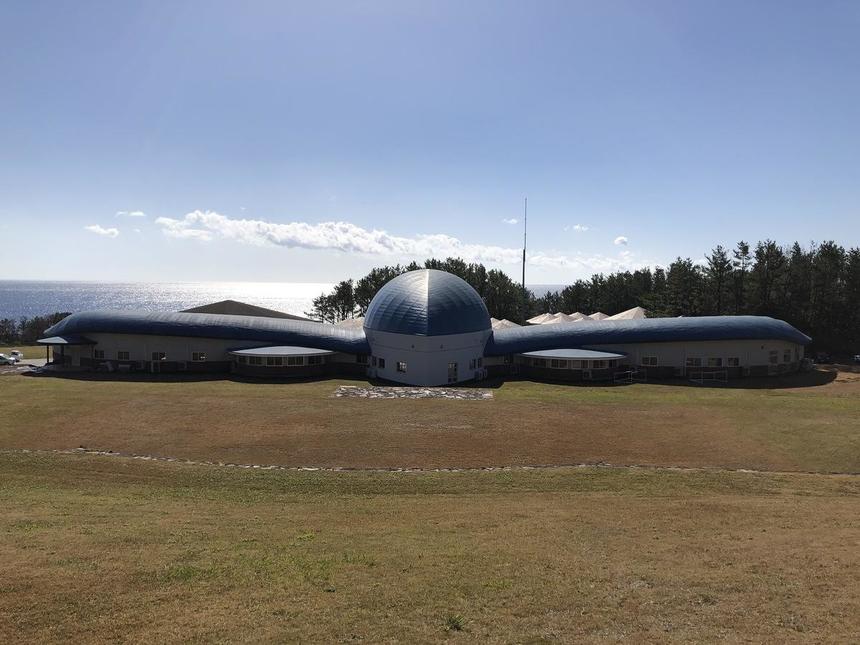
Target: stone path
pixel 386 392
pixel 339 469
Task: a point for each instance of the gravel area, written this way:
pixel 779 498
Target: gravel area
pixel 385 392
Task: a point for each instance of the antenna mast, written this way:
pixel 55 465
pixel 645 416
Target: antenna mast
pixel 525 234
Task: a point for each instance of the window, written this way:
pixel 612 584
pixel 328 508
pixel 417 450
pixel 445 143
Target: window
pixel 452 372
pixel 382 363
pixel 472 363
pixel 694 362
pixel 598 365
pixel 295 361
pixel 361 358
pixel 316 360
pixel 715 362
pixel 373 360
pixel 274 361
pixel 774 357
pixel 122 356
pixel 159 356
pixel 481 361
pixel 198 357
pixel 786 356
pixel 243 360
pixel 255 360
pixel 553 363
pixel 648 361
pixel 98 353
pixel 401 366
pixel 539 362
pixel 733 361
pixel 558 364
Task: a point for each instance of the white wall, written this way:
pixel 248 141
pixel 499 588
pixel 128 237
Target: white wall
pixel 177 348
pixel 427 357
pixel 750 352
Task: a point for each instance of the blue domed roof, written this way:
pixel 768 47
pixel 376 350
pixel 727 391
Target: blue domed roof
pixel 427 303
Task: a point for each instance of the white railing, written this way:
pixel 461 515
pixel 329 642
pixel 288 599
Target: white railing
pixel 714 376
pixel 630 376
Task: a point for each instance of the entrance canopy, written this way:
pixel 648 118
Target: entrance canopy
pixel 66 340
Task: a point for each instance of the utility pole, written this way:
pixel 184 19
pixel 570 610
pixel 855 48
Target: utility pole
pixel 525 237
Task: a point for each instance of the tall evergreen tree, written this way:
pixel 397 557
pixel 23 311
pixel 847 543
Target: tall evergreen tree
pixel 741 265
pixel 718 274
pixel 767 276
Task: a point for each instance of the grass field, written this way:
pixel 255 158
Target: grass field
pixel 796 428
pixel 106 548
pixel 29 351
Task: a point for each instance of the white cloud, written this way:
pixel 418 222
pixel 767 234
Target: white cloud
pixel 579 228
pixel 98 230
pixel 346 237
pixel 620 241
pixel 136 230
pixel 182 229
pixel 130 214
pixel 513 220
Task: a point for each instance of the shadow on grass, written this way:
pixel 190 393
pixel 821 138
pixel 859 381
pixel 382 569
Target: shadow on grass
pixel 813 378
pixel 186 377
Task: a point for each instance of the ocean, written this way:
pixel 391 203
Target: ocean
pixel 19 298
pixel 28 298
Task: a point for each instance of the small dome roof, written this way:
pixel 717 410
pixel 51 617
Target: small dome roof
pixel 427 302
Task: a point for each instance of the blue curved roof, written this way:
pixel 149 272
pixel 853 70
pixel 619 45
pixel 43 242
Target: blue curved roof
pixel 427 303
pixel 518 340
pixel 276 331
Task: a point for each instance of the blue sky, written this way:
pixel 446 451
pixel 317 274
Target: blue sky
pixel 311 141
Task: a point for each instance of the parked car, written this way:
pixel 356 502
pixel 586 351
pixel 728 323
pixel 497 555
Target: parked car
pixel 857 359
pixel 7 360
pixel 823 357
pixel 18 356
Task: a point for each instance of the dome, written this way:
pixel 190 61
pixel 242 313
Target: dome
pixel 427 303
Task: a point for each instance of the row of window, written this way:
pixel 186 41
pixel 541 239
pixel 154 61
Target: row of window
pixel 378 361
pixel 563 364
pixel 731 361
pixel 651 361
pixel 280 361
pixel 121 355
pixel 786 356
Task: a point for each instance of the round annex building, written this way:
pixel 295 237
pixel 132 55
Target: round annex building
pixel 427 327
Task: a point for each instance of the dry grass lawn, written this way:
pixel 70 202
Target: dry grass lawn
pixel 787 428
pixel 29 351
pixel 102 549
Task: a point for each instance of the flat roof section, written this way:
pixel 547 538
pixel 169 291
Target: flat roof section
pixel 575 354
pixel 281 350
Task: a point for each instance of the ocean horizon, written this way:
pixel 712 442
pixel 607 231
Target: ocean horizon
pixel 28 298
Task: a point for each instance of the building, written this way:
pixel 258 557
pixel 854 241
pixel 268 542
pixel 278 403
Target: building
pixel 426 327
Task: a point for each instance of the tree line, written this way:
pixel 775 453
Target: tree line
pixel 26 331
pixel 814 288
pixel 350 299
